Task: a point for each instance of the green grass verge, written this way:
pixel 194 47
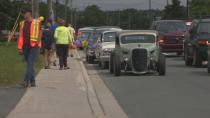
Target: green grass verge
pixel 12 67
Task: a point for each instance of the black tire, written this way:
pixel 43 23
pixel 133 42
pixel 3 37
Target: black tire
pixel 162 65
pixel 87 59
pixel 117 66
pixel 111 70
pixel 188 61
pixel 104 65
pixel 90 59
pixel 209 64
pixel 197 60
pixel 99 64
pixel 179 53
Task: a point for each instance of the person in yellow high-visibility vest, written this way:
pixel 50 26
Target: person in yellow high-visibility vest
pixel 28 44
pixel 63 40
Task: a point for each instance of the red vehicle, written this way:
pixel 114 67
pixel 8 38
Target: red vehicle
pixel 172 34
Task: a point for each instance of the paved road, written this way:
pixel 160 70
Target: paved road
pixel 183 93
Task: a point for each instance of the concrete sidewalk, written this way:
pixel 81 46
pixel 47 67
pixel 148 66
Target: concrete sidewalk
pixel 67 94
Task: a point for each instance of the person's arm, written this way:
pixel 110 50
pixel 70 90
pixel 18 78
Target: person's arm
pixel 70 37
pixel 55 35
pixel 20 39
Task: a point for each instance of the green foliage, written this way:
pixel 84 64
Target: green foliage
pixel 9 11
pixel 126 19
pixel 174 11
pixel 12 67
pixel 200 7
pixel 91 16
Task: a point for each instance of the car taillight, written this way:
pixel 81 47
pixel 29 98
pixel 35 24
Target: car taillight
pixel 208 43
pixel 161 39
pixel 203 42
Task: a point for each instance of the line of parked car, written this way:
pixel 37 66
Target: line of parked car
pixel 142 51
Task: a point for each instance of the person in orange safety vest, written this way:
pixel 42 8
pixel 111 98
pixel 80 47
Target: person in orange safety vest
pixel 28 45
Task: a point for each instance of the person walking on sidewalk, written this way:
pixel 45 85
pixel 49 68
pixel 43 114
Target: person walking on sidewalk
pixel 63 41
pixel 52 29
pixel 47 41
pixel 28 44
pixel 72 47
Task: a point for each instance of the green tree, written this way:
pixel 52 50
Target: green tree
pixel 174 11
pixel 93 16
pixel 200 7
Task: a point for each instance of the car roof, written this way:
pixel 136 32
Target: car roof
pixel 159 21
pixel 112 31
pixel 128 32
pixel 204 20
pixel 109 27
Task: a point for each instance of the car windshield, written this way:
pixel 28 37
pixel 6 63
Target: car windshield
pixel 85 35
pixel 109 37
pixel 95 37
pixel 142 38
pixel 204 27
pixel 172 26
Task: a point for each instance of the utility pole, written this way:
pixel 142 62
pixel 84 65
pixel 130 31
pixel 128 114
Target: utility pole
pixel 188 8
pixel 129 20
pixel 35 8
pixel 150 10
pixel 167 2
pixel 71 8
pixel 119 18
pixel 66 9
pixel 56 9
pixel 50 10
pixel 75 18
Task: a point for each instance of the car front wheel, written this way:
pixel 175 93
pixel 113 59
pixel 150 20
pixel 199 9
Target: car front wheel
pixel 188 61
pixel 162 65
pixel 197 60
pixel 117 66
pixel 209 64
pixel 111 70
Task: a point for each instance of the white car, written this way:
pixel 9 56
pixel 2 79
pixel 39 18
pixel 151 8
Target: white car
pixel 105 47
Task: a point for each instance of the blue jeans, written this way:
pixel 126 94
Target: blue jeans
pixel 30 56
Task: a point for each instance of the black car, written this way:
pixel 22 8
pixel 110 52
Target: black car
pixel 196 47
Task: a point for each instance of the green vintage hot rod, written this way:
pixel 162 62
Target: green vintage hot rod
pixel 138 52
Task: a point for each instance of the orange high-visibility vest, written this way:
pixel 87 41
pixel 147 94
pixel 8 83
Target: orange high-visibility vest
pixel 34 34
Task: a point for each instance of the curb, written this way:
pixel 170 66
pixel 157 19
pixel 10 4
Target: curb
pixel 100 105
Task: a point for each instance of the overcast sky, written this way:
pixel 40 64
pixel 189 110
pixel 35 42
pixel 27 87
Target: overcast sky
pixel 122 4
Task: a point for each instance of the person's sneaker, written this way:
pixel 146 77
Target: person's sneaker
pixel 54 63
pixel 66 68
pixel 33 84
pixel 46 67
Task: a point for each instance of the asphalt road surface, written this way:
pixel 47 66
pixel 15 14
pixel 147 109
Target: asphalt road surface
pixel 183 93
pixel 9 97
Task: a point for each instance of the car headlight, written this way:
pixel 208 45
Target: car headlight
pixel 107 51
